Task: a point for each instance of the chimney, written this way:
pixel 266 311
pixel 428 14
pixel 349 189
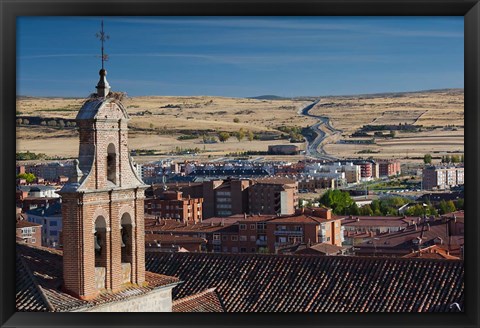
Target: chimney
pixel 358 219
pixel 245 216
pixel 222 223
pixel 415 226
pixel 428 226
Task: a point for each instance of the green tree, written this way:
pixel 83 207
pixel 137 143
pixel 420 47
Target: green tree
pixel 338 201
pixel 250 136
pixel 29 177
pixel 455 159
pixel 223 136
pixel 462 158
pixel 448 159
pixel 240 135
pixel 427 159
pixel 366 210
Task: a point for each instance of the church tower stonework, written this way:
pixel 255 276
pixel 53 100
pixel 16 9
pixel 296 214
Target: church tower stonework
pixel 103 205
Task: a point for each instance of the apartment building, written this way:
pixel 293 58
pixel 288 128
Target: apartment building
pixel 389 168
pixel 29 233
pixel 172 205
pixel 442 177
pixel 313 226
pixel 273 195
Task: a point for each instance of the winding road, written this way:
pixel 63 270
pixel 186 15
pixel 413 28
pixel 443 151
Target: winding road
pixel 322 129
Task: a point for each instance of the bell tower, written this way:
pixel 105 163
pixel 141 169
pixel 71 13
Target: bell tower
pixel 103 205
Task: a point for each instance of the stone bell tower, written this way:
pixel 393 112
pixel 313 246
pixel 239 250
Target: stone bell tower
pixel 103 205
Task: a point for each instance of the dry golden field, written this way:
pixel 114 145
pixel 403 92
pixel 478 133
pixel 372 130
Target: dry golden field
pixel 431 109
pixel 156 123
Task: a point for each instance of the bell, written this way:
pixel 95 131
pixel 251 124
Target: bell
pixel 97 244
pixel 124 237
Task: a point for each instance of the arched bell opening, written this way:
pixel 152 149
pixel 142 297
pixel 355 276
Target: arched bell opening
pixel 126 242
pixel 100 250
pixel 111 163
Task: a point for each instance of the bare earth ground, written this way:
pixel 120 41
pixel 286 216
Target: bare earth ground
pixel 156 123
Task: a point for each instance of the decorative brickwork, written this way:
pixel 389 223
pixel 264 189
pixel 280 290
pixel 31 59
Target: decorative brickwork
pixel 102 207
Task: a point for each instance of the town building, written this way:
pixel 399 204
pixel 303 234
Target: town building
pixel 390 167
pixel 38 191
pixel 29 233
pixel 50 217
pixel 170 204
pixel 283 150
pixel 442 177
pixel 51 171
pixel 273 196
pixel 312 226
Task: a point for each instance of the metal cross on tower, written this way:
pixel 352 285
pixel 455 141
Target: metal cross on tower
pixel 103 37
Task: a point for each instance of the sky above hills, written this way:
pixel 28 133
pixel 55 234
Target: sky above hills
pixel 240 56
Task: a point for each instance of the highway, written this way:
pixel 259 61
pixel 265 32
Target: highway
pixel 315 149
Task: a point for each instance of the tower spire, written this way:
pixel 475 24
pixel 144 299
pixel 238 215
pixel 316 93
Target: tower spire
pixel 103 88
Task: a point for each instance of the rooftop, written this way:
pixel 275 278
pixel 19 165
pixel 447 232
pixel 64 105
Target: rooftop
pixel 39 279
pixel 309 283
pixel 205 301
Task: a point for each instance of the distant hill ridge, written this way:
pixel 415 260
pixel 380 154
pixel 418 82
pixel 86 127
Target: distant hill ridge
pixel 275 97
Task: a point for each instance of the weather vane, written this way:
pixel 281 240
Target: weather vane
pixel 103 37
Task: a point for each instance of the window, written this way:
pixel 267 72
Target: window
pixel 224 237
pixel 243 226
pixel 234 237
pixel 34 230
pixel 254 249
pixel 261 226
pixel 34 240
pixel 216 236
pixel 243 238
pixel 252 238
pixel 252 227
pixel 234 249
pixel 53 233
pixel 53 223
pixel 243 250
pixel 225 249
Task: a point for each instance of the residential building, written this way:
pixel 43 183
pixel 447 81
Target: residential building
pixel 171 204
pixel 50 217
pixel 442 177
pixel 283 150
pixel 387 168
pixel 273 196
pixel 30 233
pixel 313 225
pixel 51 171
pixel 39 191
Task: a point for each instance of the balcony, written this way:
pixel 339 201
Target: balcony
pixel 288 233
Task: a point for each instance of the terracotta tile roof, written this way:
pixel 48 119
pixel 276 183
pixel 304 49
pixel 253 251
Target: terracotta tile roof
pixel 206 301
pixel 321 248
pixel 432 252
pixel 169 239
pixel 402 241
pixel 298 283
pixel 299 219
pixel 169 225
pixel 26 224
pixel 382 221
pixel 39 279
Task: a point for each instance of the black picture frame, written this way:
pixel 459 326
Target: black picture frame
pixel 10 9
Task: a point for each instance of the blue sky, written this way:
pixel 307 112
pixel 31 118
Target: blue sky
pixel 240 56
